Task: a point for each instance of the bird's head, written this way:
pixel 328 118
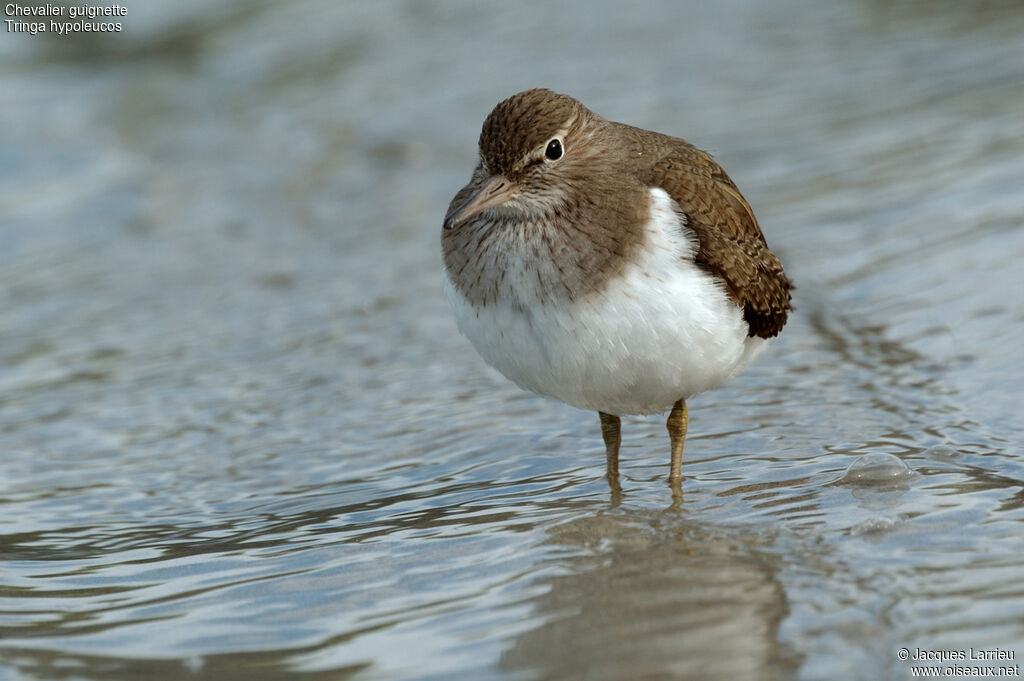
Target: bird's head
pixel 535 147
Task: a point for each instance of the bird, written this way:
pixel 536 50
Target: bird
pixel 609 267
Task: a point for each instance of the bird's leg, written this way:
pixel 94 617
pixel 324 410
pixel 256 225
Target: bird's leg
pixel 678 420
pixel 611 431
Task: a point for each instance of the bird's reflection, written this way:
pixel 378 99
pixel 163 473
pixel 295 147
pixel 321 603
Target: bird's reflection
pixel 654 596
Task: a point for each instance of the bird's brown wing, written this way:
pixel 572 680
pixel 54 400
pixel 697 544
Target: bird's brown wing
pixel 731 243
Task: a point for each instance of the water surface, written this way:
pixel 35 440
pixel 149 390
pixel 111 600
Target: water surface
pixel 242 438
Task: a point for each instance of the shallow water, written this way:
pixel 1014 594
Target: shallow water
pixel 242 438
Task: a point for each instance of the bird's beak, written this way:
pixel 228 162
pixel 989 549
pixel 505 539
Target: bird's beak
pixel 496 190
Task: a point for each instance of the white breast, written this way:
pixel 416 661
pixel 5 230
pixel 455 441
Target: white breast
pixel 663 330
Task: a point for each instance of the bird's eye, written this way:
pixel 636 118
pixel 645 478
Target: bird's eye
pixel 553 151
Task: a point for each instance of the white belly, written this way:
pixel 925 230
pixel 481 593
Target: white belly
pixel 662 331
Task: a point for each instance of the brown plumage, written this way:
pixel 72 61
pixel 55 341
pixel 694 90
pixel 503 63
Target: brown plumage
pixel 616 163
pixel 599 213
pixel 731 243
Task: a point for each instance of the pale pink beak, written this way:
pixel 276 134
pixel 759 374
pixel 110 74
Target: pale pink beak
pixel 496 190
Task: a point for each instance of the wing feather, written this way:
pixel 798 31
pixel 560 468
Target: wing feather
pixel 731 243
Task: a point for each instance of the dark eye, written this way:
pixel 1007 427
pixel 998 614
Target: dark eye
pixel 554 150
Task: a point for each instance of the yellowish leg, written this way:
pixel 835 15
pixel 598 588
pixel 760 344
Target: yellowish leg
pixel 611 431
pixel 678 421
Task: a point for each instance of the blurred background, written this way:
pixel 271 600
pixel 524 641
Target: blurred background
pixel 240 436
